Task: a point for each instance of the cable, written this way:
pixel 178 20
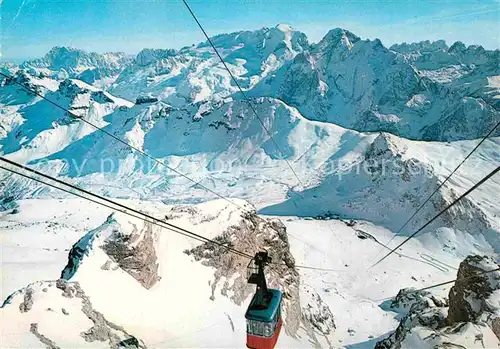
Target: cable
pixel 451 281
pixel 322 269
pixel 119 139
pixel 241 90
pixel 440 185
pixel 475 186
pixel 441 284
pixel 154 221
pixel 122 206
pixel 86 198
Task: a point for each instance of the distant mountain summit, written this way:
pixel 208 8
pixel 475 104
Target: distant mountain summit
pixel 66 62
pixel 424 91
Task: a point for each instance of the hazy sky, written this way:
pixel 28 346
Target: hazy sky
pixel 29 28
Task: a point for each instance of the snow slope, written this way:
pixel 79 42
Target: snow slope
pixel 222 146
pixel 352 293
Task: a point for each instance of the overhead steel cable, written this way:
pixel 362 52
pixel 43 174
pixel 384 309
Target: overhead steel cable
pixel 250 104
pixel 138 214
pixel 475 186
pixel 441 185
pixel 90 199
pixel 442 283
pixel 118 139
pixel 452 281
pixel 10 162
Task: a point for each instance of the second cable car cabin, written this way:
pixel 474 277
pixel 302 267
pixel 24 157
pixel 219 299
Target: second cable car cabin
pixel 264 312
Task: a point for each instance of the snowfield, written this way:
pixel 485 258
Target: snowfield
pixel 352 292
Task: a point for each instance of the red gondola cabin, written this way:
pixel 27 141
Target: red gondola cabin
pixel 264 312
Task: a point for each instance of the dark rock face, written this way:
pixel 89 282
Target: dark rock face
pixel 469 296
pixel 27 304
pixel 134 253
pixel 46 341
pixel 145 99
pixel 139 261
pixel 255 234
pixel 423 309
pixel 473 303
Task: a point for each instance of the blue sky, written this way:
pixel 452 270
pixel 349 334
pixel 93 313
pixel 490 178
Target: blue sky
pixel 29 28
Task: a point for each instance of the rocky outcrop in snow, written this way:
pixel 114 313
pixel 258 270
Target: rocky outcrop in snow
pixel 254 234
pixel 476 294
pixel 132 251
pixel 78 321
pixel 470 318
pixel 302 306
pixel 317 318
pixel 135 253
pixel 384 179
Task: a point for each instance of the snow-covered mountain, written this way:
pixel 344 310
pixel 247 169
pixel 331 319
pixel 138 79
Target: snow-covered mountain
pixel 67 62
pixel 32 127
pixel 421 91
pixel 361 125
pixel 362 85
pixel 424 90
pixel 222 146
pixel 195 73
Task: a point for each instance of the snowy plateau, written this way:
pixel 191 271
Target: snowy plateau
pixel 361 134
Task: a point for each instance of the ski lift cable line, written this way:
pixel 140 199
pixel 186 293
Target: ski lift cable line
pixel 120 140
pixel 474 187
pixel 442 284
pixel 154 220
pixel 10 162
pixel 14 172
pixel 247 99
pixel 138 214
pixel 452 281
pixel 440 185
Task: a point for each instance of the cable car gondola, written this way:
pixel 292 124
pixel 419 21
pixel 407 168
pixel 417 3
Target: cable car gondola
pixel 264 312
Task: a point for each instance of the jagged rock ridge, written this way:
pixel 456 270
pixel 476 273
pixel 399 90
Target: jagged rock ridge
pixel 469 319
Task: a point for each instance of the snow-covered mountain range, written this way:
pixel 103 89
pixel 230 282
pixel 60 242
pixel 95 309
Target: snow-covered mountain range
pixel 369 131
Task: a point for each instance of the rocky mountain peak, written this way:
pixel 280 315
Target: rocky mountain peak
pixel 475 292
pixel 64 62
pixel 422 46
pixel 471 314
pixel 337 38
pixel 132 251
pixel 385 145
pixel 148 55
